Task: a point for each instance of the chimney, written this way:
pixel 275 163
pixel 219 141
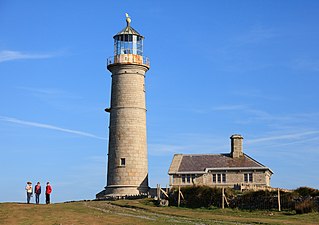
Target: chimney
pixel 236 146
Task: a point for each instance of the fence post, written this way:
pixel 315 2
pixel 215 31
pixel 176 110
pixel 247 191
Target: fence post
pixel 164 192
pixel 223 198
pixel 159 192
pixel 279 205
pixel 179 196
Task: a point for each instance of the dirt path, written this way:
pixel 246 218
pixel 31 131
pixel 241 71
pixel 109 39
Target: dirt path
pixel 153 217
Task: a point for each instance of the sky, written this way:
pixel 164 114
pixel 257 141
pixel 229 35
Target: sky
pixel 218 68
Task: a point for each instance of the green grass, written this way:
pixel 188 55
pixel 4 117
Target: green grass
pixel 140 212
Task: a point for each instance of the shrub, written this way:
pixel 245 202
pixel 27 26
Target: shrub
pixel 199 196
pixel 305 206
pixel 253 200
pixel 307 191
pixel 303 199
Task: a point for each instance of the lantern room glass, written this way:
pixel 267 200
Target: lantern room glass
pixel 128 44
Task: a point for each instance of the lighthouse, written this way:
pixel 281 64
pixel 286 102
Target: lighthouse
pixel 127 165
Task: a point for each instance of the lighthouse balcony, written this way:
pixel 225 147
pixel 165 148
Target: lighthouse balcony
pixel 128 59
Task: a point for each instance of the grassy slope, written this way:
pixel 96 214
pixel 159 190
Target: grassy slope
pixel 139 212
pixel 73 213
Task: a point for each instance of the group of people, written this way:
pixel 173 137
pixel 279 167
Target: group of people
pixel 37 192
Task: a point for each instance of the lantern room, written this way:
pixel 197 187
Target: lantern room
pixel 128 47
pixel 128 41
pixel 128 44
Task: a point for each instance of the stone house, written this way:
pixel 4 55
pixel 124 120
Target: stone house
pixel 236 170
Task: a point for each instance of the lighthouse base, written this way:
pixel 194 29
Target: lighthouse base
pixel 118 191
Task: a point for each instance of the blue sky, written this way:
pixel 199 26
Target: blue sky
pixel 217 68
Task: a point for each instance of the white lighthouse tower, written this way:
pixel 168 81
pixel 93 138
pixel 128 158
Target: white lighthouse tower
pixel 127 169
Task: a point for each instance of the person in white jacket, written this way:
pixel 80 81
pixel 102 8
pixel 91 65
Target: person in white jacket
pixel 29 190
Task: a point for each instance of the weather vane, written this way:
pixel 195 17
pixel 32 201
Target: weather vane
pixel 128 19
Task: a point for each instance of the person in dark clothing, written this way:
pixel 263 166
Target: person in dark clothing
pixel 37 191
pixel 48 190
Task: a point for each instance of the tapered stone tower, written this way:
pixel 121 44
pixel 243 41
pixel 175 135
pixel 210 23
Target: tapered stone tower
pixel 127 169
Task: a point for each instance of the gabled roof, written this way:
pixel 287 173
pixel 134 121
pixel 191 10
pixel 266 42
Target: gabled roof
pixel 205 162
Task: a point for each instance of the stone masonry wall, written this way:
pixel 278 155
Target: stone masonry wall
pixel 127 132
pixel 260 178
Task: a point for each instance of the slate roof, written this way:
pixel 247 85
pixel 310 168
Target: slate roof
pixel 192 163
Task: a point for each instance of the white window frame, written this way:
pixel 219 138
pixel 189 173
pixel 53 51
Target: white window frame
pixel 219 178
pixel 248 178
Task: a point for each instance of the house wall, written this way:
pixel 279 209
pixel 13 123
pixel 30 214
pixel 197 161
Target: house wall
pixel 260 178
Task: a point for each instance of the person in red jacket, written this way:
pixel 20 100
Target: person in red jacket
pixel 48 190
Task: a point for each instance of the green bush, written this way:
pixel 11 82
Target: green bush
pixel 305 206
pixel 254 200
pixel 199 196
pixel 307 191
pixel 302 200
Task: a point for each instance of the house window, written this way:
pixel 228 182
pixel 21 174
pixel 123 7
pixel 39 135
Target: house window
pixel 122 162
pixel 224 178
pixel 219 178
pixel 183 178
pixel 248 177
pixel 188 178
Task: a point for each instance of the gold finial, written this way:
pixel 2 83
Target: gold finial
pixel 128 19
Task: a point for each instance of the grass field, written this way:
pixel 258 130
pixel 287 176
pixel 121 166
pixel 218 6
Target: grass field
pixel 139 212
